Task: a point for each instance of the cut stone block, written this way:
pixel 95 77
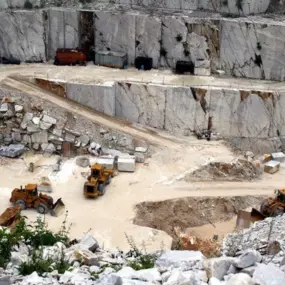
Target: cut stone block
pixel 126 164
pixel 107 162
pixel 266 158
pixel 272 167
pixel 278 156
pixel 141 149
pixel 202 71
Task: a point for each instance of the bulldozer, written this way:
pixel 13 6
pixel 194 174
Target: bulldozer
pixel 99 178
pixel 270 207
pixel 29 197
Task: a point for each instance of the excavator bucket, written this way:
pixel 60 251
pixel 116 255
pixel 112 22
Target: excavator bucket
pixel 57 208
pixel 244 218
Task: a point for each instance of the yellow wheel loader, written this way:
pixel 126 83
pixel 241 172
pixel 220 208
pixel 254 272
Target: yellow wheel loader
pixel 29 197
pixel 99 178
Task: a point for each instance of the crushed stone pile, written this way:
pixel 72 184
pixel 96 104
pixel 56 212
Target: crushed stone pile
pixel 267 237
pixel 239 170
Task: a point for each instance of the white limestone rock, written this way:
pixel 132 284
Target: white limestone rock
pixel 98 97
pixel 248 258
pixel 268 274
pixel 116 32
pixel 240 279
pixel 148 36
pixel 63 30
pixel 260 53
pixel 218 267
pixel 143 104
pixel 22 35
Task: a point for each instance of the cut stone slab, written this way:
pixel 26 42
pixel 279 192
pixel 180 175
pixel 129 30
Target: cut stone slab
pixel 48 119
pixel 44 188
pixel 13 150
pixel 248 258
pixel 108 162
pixel 272 167
pixel 268 274
pixel 126 164
pixel 278 156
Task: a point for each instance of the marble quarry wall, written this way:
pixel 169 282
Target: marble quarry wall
pixel 233 7
pixel 251 47
pixel 183 110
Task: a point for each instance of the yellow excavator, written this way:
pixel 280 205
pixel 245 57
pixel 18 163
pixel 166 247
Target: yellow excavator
pixel 270 207
pixel 99 178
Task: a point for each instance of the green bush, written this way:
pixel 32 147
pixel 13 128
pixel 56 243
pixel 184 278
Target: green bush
pixel 36 236
pixel 141 259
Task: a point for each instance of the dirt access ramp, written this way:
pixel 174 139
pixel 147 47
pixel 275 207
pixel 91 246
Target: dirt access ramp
pixel 191 212
pixel 152 136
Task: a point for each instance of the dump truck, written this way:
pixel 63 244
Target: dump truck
pixel 99 178
pixel 67 56
pixel 29 197
pixel 270 207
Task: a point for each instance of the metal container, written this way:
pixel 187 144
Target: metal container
pixel 111 59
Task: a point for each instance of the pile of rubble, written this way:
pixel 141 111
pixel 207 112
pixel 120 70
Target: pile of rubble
pixel 239 170
pixel 249 259
pixel 29 125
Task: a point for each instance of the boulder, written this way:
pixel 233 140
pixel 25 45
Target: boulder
pixel 45 125
pixel 40 137
pixel 249 270
pixel 127 273
pixel 36 120
pixel 178 277
pixel 110 279
pixel 248 258
pixel 18 108
pixel 48 119
pixel 240 279
pixel 89 242
pixel 150 275
pixel 84 140
pixel 184 259
pixel 48 148
pixel 16 137
pixel 4 107
pixel 218 267
pixel 82 161
pixel 33 279
pixel 27 118
pixel 32 128
pixel 69 137
pixel 215 281
pixel 13 150
pixel 5 280
pixel 268 274
pixel 106 161
pixel 57 132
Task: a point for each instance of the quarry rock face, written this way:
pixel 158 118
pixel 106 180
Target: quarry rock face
pixel 22 35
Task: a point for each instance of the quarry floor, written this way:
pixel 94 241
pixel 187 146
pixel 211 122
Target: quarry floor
pixel 110 217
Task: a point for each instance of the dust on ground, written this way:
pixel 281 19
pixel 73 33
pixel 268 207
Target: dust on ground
pixel 190 214
pixel 239 170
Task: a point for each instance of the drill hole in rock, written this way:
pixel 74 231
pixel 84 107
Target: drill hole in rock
pixel 203 217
